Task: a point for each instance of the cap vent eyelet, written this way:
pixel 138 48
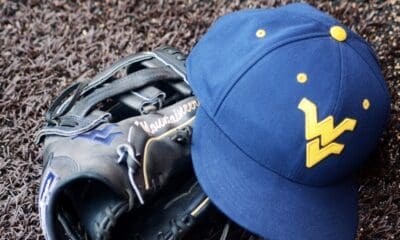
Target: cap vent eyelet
pixel 366 104
pixel 302 78
pixel 261 33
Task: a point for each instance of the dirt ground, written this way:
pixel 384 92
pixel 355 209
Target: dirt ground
pixel 46 45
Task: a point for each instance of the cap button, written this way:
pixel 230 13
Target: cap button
pixel 338 33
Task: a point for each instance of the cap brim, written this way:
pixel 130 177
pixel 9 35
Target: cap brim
pixel 264 202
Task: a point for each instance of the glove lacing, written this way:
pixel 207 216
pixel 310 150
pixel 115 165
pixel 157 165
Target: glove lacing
pixel 127 154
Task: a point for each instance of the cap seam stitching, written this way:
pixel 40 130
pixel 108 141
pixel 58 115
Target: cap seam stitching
pixel 339 95
pixel 250 66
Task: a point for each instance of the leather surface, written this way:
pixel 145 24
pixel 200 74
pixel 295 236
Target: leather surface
pixel 169 217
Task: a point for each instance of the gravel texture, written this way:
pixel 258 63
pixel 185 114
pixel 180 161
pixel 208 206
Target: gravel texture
pixel 46 45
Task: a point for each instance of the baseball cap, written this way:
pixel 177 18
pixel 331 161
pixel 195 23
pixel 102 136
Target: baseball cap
pixel 292 103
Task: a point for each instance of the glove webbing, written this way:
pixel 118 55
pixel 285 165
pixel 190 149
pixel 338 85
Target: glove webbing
pixel 75 122
pixel 132 81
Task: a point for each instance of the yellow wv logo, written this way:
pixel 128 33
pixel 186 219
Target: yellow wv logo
pixel 321 135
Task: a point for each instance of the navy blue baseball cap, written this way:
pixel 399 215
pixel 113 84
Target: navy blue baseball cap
pixel 292 103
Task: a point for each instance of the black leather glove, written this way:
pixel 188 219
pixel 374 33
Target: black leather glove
pixel 113 144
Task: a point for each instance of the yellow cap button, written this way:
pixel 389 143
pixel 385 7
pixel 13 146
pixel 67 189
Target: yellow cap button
pixel 302 77
pixel 338 33
pixel 261 33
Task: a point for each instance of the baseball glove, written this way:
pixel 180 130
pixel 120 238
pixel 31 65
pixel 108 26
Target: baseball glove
pixel 117 152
